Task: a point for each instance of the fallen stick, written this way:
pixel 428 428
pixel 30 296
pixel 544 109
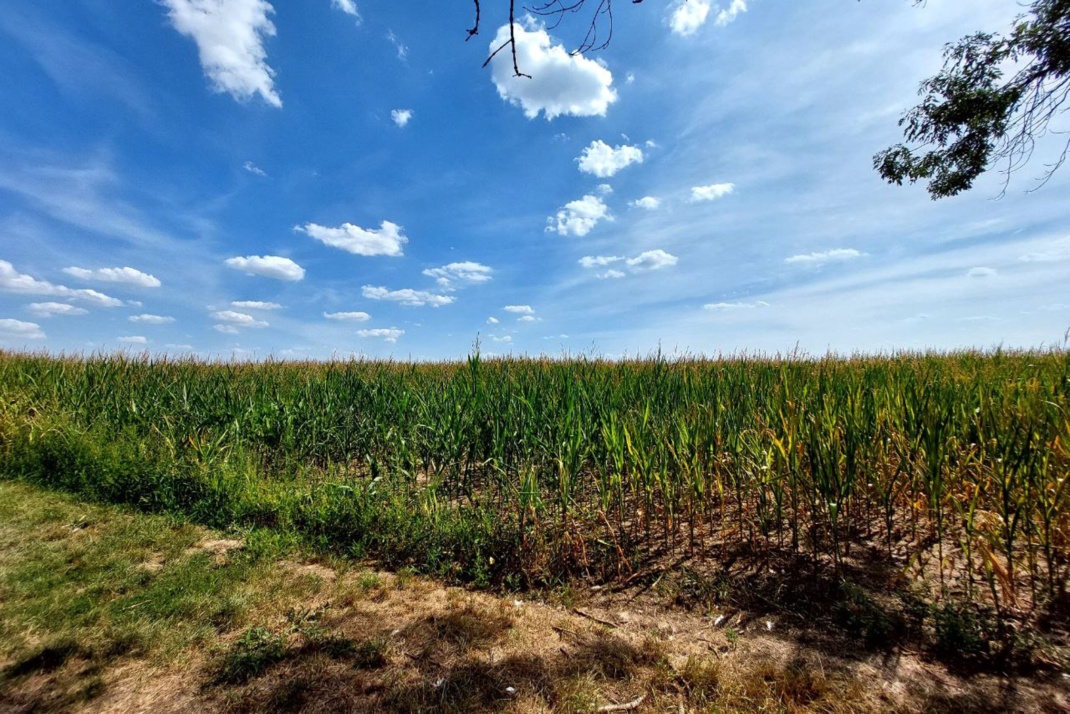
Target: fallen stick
pixel 634 704
pixel 599 620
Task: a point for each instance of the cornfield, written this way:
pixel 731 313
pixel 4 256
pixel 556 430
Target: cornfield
pixel 524 471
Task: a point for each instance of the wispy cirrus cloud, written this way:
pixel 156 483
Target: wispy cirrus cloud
pixel 151 319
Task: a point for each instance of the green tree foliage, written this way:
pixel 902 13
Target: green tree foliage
pixel 973 115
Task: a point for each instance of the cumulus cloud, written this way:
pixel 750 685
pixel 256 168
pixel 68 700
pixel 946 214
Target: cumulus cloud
pixel 579 217
pixel 729 306
pixel 387 334
pixel 122 276
pixel 230 41
pixel 255 305
pixel 599 261
pixel 503 338
pixel 254 169
pixel 730 13
pixel 12 281
pixel 648 203
pixel 51 309
pixel 652 260
pixel 387 240
pixel 151 319
pixel 401 117
pixel 603 160
pixel 466 272
pixel 837 255
pixel 238 319
pixel 348 316
pixel 406 296
pixel 520 309
pixel 227 329
pixel 527 318
pixel 492 321
pixel 645 261
pixel 981 273
pixel 711 192
pixel 134 340
pixel 268 266
pixel 17 329
pixel 348 7
pixel 560 83
pixel 688 16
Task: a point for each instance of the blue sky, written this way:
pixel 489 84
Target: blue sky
pixel 254 178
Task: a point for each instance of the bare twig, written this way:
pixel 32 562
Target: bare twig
pixel 599 620
pixel 630 706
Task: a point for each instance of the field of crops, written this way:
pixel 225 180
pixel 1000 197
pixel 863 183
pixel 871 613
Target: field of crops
pixel 526 472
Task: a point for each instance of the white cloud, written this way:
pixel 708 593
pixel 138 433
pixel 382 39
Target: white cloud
pixel 603 160
pixel 122 276
pixel 648 203
pixel 406 296
pixel 401 117
pixel 348 316
pixel 611 275
pixel 652 260
pixel 255 305
pixel 730 13
pixel 605 189
pixel 403 50
pixel 227 329
pixel 359 241
pixel 20 330
pixel 238 319
pixel 504 338
pixel 726 306
pixel 254 169
pixel 348 7
pixel 578 217
pixel 1060 250
pixel 981 273
pixel 492 321
pixel 711 192
pixel 599 261
pixel 828 256
pixel 388 334
pixel 645 261
pixel 51 309
pixel 151 319
pixel 230 41
pixel 134 340
pixel 463 272
pixel 527 318
pixel 12 281
pixel 520 309
pixel 560 83
pixel 688 16
pixel 268 266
